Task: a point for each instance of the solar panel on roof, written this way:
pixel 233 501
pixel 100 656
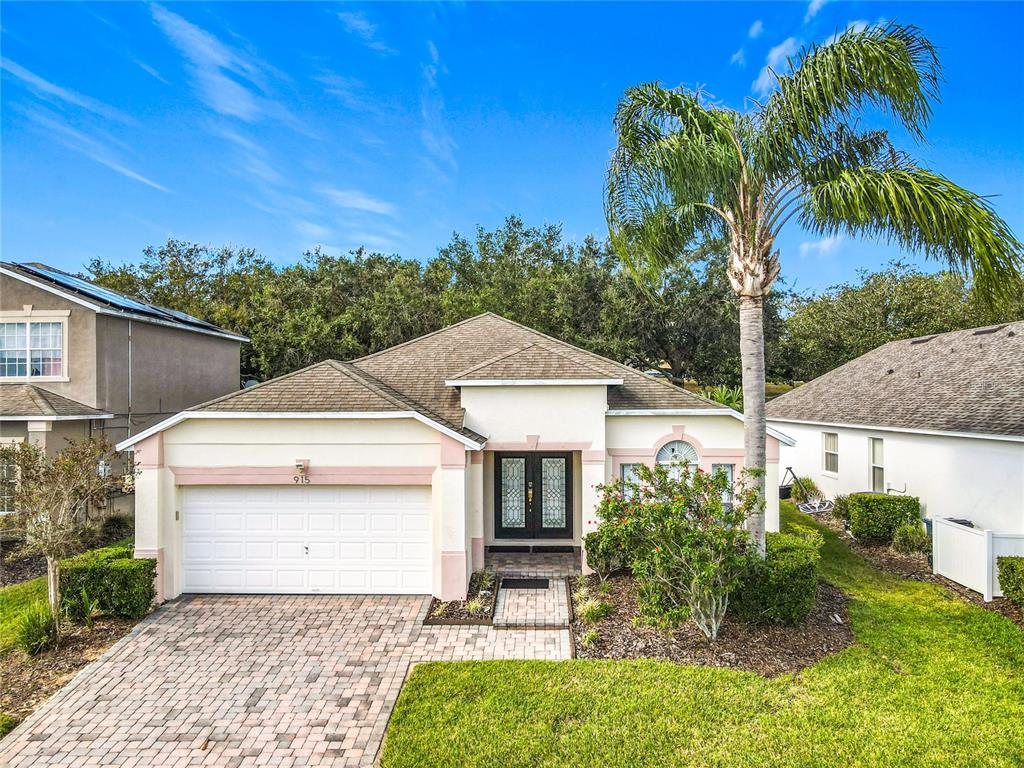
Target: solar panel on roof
pixel 113 298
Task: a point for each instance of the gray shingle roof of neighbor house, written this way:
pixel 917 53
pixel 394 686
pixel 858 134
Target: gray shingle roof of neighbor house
pixel 411 376
pixel 110 301
pixel 966 381
pixel 27 401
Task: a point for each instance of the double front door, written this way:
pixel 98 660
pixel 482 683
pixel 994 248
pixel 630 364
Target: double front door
pixel 532 495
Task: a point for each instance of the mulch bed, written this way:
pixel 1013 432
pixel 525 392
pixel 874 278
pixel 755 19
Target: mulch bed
pixel 28 681
pixel 457 611
pixel 767 650
pixel 916 568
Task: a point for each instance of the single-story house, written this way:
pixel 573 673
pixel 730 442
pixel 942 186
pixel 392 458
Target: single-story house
pixel 394 473
pixel 938 417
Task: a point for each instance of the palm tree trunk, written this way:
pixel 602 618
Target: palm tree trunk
pixel 53 588
pixel 752 358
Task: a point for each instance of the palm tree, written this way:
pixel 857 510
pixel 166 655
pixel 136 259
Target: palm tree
pixel 686 169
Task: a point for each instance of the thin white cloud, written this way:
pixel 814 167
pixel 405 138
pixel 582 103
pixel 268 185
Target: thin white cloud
pixel 755 30
pixel 150 71
pixel 739 58
pixel 253 159
pixel 355 200
pixel 858 25
pixel 313 231
pixel 776 59
pixel 56 93
pixel 821 248
pixel 90 147
pixel 357 24
pixel 435 136
pixel 227 80
pixel 812 9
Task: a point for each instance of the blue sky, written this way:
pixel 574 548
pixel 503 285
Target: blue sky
pixel 283 126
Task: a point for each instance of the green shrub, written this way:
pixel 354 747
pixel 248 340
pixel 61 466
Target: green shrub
pixel 841 507
pixel 875 517
pixel 117 527
pixel 589 638
pixel 911 538
pixel 1011 578
pixel 685 546
pixel 7 724
pixel 592 610
pixel 603 551
pixel 37 630
pixel 799 497
pixel 81 608
pixel 121 585
pixel 781 588
pixel 731 397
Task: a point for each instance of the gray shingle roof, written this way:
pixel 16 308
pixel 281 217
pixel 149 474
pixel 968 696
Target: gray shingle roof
pixel 533 361
pixel 966 381
pixel 30 401
pixel 419 368
pixel 411 376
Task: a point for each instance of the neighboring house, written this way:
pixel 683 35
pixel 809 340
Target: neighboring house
pixel 394 472
pixel 938 417
pixel 78 360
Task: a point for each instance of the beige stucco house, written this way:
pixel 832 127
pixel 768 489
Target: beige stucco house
pixel 394 473
pixel 78 360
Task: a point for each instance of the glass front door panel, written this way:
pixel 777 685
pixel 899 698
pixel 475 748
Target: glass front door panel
pixel 553 492
pixel 513 493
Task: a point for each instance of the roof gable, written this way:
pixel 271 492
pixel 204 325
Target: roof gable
pixel 968 381
pixel 533 361
pixel 419 368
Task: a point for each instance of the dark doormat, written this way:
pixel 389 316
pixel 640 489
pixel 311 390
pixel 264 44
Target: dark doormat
pixel 524 583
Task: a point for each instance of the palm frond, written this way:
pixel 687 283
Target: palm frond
pixel 921 211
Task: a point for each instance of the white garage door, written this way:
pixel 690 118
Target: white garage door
pixel 283 539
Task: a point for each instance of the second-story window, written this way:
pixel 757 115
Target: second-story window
pixel 30 349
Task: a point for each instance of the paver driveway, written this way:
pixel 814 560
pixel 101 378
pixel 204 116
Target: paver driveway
pixel 238 681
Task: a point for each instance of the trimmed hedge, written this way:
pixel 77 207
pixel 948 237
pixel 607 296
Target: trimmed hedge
pixel 781 588
pixel 875 517
pixel 122 585
pixel 1011 578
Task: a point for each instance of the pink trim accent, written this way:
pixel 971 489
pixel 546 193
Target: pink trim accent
pixel 593 457
pixel 476 457
pixel 772 448
pixel 149 453
pixel 532 444
pixel 453 576
pixel 315 475
pixel 705 457
pixel 146 553
pixel 679 433
pixel 477 545
pixel 453 453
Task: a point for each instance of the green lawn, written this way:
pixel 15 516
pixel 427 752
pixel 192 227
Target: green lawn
pixel 930 681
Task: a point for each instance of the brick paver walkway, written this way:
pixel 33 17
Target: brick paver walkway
pixel 532 607
pixel 253 681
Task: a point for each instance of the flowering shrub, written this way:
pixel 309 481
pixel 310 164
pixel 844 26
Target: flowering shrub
pixel 684 542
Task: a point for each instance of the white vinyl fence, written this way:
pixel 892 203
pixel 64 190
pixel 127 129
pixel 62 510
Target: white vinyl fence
pixel 968 555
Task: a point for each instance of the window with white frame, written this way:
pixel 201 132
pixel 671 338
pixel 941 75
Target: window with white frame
pixel 877 460
pixel 31 349
pixel 729 470
pixel 7 475
pixel 628 472
pixel 676 455
pixel 830 451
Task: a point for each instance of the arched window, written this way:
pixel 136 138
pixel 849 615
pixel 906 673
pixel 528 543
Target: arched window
pixel 678 454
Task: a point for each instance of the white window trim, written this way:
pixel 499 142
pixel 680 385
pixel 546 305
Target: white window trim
pixel 872 466
pixel 27 315
pixel 824 456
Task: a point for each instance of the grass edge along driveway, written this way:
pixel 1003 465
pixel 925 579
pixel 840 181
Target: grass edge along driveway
pixel 931 680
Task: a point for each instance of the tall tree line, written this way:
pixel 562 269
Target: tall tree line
pixel 342 307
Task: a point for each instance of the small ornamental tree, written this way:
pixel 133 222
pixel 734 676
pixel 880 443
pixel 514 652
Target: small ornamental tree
pixel 682 534
pixel 52 496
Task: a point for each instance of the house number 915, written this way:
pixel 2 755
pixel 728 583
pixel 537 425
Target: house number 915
pixel 303 479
